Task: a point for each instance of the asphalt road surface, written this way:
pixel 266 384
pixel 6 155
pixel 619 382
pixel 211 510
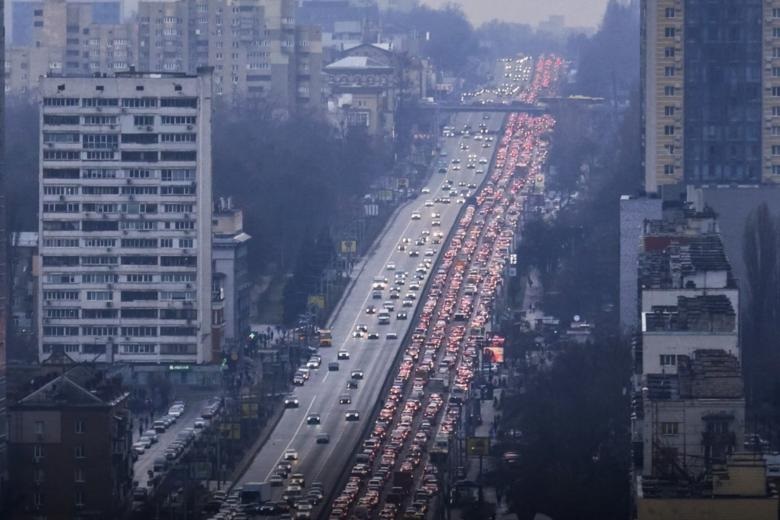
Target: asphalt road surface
pixel 320 394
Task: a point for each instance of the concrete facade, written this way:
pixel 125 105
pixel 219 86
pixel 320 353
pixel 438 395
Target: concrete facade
pixel 125 230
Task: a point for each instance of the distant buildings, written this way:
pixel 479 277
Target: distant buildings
pixel 125 229
pixel 231 270
pixel 4 283
pixel 70 452
pixel 688 415
pixel 711 92
pixel 257 49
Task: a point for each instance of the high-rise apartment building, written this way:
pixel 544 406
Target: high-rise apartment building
pixel 125 218
pixel 711 92
pixel 67 38
pixel 255 46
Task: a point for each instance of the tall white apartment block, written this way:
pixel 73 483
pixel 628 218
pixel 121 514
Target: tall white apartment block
pixel 125 218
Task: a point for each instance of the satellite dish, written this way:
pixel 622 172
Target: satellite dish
pixel 576 318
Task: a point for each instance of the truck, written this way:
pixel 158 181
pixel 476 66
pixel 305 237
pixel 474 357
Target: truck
pixel 255 493
pixel 326 338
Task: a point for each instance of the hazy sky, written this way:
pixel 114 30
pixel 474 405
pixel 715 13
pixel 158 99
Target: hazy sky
pixel 577 12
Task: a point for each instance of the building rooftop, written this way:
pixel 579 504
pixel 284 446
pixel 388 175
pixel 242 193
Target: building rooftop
pixel 668 261
pixel 358 62
pixel 705 313
pixel 709 374
pixel 79 386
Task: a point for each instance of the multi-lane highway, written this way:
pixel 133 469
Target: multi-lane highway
pixel 375 357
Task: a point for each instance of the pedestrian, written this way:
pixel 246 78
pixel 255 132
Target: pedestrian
pixel 140 430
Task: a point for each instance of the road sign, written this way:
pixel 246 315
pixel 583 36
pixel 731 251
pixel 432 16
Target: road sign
pixel 348 247
pixel 478 446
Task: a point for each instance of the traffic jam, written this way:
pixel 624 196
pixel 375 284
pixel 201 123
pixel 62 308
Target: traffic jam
pixel 392 475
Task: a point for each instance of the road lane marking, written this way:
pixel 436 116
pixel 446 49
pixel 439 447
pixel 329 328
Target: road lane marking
pixel 297 430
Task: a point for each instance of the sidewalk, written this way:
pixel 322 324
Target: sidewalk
pixel 490 417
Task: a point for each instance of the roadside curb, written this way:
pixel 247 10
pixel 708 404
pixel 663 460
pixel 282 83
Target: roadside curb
pixel 249 457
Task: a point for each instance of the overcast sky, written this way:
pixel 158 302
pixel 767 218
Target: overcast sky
pixel 577 12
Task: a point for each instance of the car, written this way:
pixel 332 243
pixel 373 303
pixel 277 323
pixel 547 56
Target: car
pixel 333 366
pixel 352 415
pixel 390 266
pixel 276 480
pixel 352 384
pixel 401 247
pixel 200 424
pixel 391 335
pixel 290 454
pixel 345 399
pixel 342 354
pixel 428 203
pixel 298 380
pixel 356 374
pixel 400 315
pixel 370 309
pixel 416 215
pixel 442 170
pixel 152 435
pixel 436 222
pixel 297 479
pixel 323 438
pixel 146 441
pixel 376 295
pixel 425 190
pixel 291 402
pixel 314 362
pixel 313 418
pixel 140 494
pixel 373 335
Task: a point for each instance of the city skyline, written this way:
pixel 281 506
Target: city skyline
pixel 578 13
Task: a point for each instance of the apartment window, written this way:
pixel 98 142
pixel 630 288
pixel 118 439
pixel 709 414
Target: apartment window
pixel 100 173
pixel 78 474
pixel 776 32
pixel 98 330
pixel 38 499
pixel 38 451
pixel 775 12
pixel 131 296
pixel 776 52
pixel 178 208
pixel 60 331
pixel 100 141
pixel 139 313
pixel 670 428
pixel 79 426
pixel 669 71
pixel 60 295
pixel 138 173
pixel 98 260
pixel 148 138
pixel 138 348
pixel 139 331
pixel 179 102
pixel 176 155
pixel 668 129
pixel 669 90
pixel 186 242
pixel 776 169
pixel 61 242
pixel 775 130
pixel 142 243
pixel 775 91
pixel 100 190
pixel 143 120
pixel 38 475
pixel 184 224
pixel 668 360
pixel 39 427
pixel 60 102
pixel 144 102
pixel 177 138
pixel 62 313
pixel 56 120
pixel 178 261
pixel 775 149
pixel 139 260
pixel 100 102
pixel 669 32
pixel 99 296
pixel 670 12
pixel 669 110
pixel 166 242
pixel 668 169
pixel 177 175
pixel 669 52
pixel 140 278
pixel 177 295
pixel 178 120
pixel 61 155
pixel 178 277
pixel 60 173
pixel 669 149
pixel 95 120
pixel 100 314
pixel 79 498
pixel 180 349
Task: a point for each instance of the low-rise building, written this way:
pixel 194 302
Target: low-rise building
pixel 70 449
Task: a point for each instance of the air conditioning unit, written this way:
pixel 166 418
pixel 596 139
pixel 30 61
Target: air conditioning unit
pixel 189 286
pixel 129 181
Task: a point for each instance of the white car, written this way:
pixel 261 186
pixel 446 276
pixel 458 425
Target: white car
pixel 290 454
pixel 416 215
pixel 425 190
pixel 428 203
pixel 390 266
